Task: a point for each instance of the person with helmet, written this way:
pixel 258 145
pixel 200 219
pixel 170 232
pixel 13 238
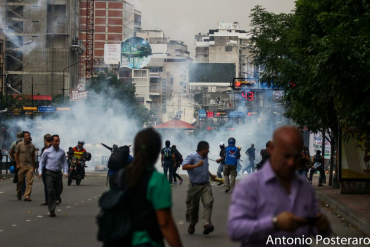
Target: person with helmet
pixel 79 152
pixel 232 154
pixel 221 160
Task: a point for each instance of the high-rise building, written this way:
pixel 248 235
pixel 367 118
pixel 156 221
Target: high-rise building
pixel 39 36
pixel 114 21
pixel 2 49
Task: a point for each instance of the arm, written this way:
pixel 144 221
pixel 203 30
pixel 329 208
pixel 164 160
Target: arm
pixel 162 159
pixel 168 227
pixel 107 147
pixel 16 159
pixel 34 159
pixel 42 163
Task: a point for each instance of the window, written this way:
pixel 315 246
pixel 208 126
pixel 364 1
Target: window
pixel 228 48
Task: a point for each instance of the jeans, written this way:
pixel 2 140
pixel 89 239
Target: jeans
pixel 322 173
pixel 238 167
pixel 250 167
pixel 220 170
pixel 168 166
pixel 175 175
pixel 302 173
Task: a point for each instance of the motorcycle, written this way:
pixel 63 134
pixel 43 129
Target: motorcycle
pixel 75 171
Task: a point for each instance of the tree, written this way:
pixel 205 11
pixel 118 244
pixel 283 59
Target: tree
pixel 113 91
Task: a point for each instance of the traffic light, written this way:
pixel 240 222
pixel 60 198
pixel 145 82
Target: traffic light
pixel 292 84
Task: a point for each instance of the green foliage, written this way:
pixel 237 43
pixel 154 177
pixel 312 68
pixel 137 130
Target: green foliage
pixel 324 48
pixel 117 96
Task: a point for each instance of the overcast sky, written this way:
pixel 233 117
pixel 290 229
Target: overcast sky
pixel 182 19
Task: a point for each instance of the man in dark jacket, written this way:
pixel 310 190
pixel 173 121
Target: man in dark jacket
pixel 179 160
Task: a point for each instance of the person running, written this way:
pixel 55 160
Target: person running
pixel 25 158
pixel 179 160
pixel 149 192
pixel 54 160
pixel 47 145
pixel 318 161
pixel 251 152
pixel 232 155
pixel 265 154
pixel 197 166
pixel 168 160
pixel 221 160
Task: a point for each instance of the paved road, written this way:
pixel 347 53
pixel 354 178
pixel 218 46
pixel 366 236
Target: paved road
pixel 28 224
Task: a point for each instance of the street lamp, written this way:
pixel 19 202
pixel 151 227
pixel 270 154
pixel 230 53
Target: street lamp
pixel 68 80
pixel 6 75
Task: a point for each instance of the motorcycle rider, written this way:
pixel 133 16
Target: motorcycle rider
pixel 79 152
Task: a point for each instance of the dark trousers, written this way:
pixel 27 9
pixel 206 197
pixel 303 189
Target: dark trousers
pixel 54 186
pixel 322 173
pixel 43 176
pixel 168 167
pixel 175 175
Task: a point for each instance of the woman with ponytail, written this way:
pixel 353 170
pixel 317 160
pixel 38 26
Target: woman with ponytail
pixel 151 194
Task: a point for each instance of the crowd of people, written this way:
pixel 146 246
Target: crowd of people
pixel 272 206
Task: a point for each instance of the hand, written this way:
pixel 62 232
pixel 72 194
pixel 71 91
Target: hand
pixel 213 176
pixel 200 163
pixel 218 160
pixel 66 175
pixel 39 176
pixel 287 221
pixel 18 166
pixel 322 223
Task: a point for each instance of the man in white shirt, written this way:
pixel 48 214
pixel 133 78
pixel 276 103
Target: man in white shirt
pixel 54 160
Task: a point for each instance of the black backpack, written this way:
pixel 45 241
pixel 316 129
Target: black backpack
pixel 115 218
pixel 118 159
pixel 123 211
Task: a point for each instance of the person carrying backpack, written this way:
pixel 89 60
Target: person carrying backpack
pixel 232 154
pixel 138 212
pixel 168 160
pixel 120 158
pixel 179 161
pixel 318 165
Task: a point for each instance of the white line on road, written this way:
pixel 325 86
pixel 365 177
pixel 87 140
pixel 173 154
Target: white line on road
pixel 28 220
pixel 39 216
pixel 14 225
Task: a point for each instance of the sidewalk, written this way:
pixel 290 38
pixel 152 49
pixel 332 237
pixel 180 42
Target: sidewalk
pixel 354 208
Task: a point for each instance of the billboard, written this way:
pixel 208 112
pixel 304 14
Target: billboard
pixel 212 72
pixel 112 53
pixel 78 94
pixel 136 53
pixel 354 159
pixel 316 144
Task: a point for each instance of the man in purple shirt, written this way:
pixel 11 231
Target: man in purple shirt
pixel 275 202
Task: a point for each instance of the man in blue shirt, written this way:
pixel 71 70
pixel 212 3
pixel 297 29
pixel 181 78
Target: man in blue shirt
pixel 54 160
pixel 199 187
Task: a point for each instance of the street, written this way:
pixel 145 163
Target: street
pixel 26 224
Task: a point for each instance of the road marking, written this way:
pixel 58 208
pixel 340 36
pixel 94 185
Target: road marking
pixel 1 230
pixel 68 207
pixel 28 220
pixel 1 192
pixel 39 216
pixel 82 201
pixel 76 204
pixel 14 225
pixel 59 210
pixel 89 199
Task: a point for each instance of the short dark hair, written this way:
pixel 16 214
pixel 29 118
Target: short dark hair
pixel 25 132
pixel 52 137
pixel 318 152
pixel 168 143
pixel 202 145
pixel 47 138
pixel 173 147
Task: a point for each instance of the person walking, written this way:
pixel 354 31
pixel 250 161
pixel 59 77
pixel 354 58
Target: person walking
pixel 54 160
pixel 150 195
pixel 11 154
pixel 47 145
pixel 274 206
pixel 197 166
pixel 232 155
pixel 265 155
pixel 251 152
pixel 305 160
pixel 179 160
pixel 25 159
pixel 221 160
pixel 318 165
pixel 168 160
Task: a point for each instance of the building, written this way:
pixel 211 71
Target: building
pixel 114 21
pixel 2 49
pixel 39 36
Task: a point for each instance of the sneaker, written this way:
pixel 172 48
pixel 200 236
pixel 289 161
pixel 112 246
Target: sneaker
pixel 52 214
pixel 58 202
pixel 227 189
pixel 181 181
pixel 208 229
pixel 219 184
pixel 191 229
pixel 174 183
pixel 44 203
pixel 19 197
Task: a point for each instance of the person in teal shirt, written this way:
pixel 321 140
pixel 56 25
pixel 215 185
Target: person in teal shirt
pixel 150 189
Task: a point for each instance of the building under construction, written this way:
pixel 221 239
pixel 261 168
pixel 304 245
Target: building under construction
pixel 41 42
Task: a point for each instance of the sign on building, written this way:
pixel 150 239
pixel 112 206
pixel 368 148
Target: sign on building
pixel 46 109
pixel 277 95
pixel 112 53
pixel 79 93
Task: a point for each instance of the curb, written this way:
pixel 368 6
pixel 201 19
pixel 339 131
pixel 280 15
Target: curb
pixel 348 214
